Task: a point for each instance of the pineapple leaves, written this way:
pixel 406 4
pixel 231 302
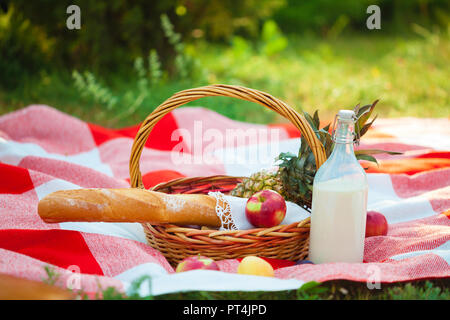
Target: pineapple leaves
pixel 367 154
pixel 326 128
pixel 313 121
pixel 323 134
pixel 327 141
pixel 366 127
pixel 285 157
pixel 316 119
pixel 363 114
pixel 302 187
pixel 367 157
pixel 375 151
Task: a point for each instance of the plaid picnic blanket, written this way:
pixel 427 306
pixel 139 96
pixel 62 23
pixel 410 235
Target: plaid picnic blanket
pixel 43 150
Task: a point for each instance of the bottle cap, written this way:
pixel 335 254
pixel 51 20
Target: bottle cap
pixel 340 133
pixel 346 114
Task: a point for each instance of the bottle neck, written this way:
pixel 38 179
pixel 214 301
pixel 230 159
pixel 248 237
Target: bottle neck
pixel 344 148
pixel 343 137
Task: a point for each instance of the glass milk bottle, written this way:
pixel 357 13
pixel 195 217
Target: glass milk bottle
pixel 339 201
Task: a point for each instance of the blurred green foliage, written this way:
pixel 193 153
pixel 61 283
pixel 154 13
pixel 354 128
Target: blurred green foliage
pixel 408 74
pixel 129 56
pixel 23 48
pixel 148 76
pixel 113 33
pixel 323 16
pixel 34 36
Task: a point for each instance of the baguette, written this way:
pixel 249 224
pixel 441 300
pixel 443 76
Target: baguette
pixel 128 205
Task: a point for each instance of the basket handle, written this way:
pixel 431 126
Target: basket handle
pixel 239 92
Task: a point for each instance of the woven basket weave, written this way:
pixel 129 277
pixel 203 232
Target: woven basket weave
pixel 175 242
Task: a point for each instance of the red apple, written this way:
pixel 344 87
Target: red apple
pixel 265 209
pixel 195 263
pixel 376 224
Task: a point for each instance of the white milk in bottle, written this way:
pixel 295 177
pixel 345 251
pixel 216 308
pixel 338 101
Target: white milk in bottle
pixel 339 202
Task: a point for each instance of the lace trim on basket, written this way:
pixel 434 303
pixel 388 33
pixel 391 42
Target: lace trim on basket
pixel 223 211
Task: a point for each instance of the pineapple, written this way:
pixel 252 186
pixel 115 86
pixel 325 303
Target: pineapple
pixel 295 175
pixel 264 179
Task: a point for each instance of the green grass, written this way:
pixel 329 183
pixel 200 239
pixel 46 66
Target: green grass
pixel 331 290
pixel 336 290
pixel 409 74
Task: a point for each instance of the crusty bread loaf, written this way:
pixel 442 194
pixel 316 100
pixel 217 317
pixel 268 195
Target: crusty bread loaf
pixel 128 205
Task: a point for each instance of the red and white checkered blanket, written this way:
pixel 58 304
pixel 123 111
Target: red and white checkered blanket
pixel 43 150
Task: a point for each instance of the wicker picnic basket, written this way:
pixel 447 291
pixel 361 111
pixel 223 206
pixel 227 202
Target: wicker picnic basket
pixel 175 242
